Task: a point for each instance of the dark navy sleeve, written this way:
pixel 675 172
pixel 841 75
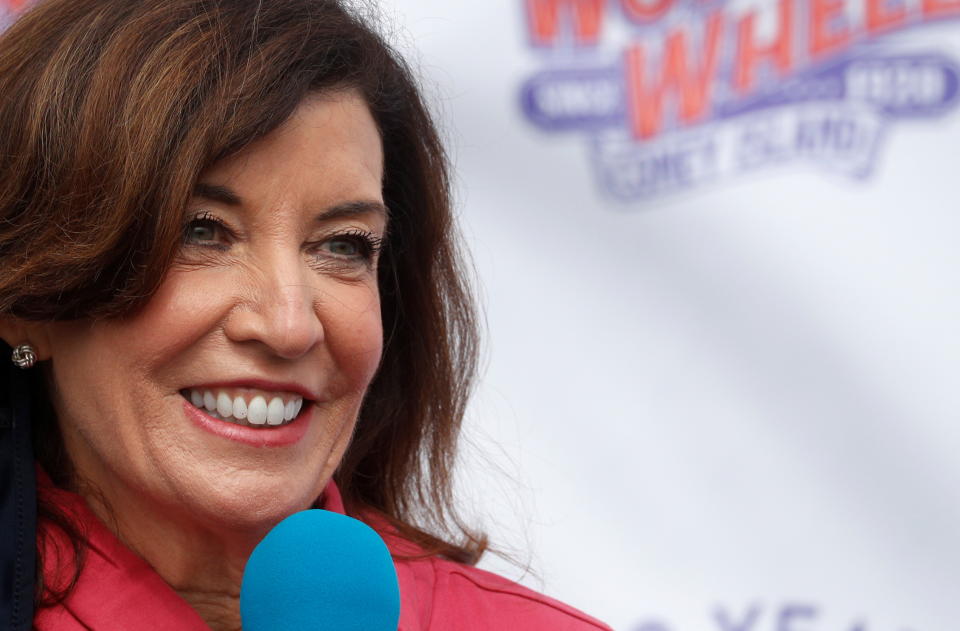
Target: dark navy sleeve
pixel 18 499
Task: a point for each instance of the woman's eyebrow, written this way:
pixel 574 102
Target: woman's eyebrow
pixel 227 196
pixel 217 193
pixel 350 209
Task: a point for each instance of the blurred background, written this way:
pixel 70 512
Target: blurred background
pixel 716 247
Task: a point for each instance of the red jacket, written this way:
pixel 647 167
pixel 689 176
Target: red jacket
pixel 119 591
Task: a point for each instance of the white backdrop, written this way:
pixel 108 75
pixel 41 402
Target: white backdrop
pixel 730 406
pixel 721 373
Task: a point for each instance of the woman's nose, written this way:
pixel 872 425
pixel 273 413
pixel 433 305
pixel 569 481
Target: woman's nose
pixel 281 313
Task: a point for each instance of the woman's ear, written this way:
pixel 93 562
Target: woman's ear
pixel 16 331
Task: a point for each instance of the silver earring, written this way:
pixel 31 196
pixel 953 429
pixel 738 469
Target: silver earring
pixel 24 356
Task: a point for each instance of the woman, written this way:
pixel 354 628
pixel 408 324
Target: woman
pixel 231 291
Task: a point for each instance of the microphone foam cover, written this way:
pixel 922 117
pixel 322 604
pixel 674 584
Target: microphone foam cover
pixel 320 570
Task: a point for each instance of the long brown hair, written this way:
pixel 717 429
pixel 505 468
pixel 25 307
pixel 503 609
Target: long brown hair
pixel 109 111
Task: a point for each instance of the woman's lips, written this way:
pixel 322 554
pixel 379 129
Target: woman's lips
pixel 265 435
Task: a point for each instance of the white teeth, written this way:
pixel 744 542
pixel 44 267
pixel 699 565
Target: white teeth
pixel 275 411
pixel 257 411
pixel 239 408
pixel 209 402
pixel 224 405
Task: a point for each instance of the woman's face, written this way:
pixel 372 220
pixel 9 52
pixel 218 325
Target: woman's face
pixel 271 312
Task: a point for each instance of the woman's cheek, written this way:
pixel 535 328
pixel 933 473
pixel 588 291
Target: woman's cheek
pixel 190 302
pixel 354 333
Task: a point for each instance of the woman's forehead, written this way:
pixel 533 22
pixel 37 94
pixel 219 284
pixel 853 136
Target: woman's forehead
pixel 326 158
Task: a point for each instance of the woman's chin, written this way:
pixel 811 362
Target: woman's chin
pixel 253 508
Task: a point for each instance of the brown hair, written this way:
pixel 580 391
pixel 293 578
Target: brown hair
pixel 110 111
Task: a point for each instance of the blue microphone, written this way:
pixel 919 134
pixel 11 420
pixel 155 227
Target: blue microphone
pixel 320 570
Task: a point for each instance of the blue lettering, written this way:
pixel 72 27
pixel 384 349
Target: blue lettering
pixel 725 623
pixel 791 613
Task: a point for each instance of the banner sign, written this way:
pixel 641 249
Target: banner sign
pixel 686 93
pixel 759 616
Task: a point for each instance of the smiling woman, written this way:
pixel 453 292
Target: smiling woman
pixel 257 318
pixel 228 266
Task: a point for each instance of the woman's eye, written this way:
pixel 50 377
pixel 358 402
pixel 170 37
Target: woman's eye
pixel 204 231
pixel 343 247
pixel 198 232
pixel 355 248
